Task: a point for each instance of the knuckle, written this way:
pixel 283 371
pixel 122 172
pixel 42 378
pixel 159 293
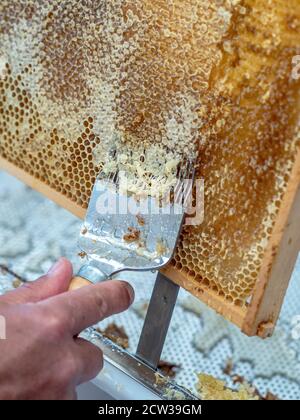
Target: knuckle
pixel 56 327
pixel 72 367
pixel 101 304
pixel 65 376
pixel 53 324
pixel 69 371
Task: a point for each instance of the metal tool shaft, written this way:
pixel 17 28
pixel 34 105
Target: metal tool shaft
pixel 157 320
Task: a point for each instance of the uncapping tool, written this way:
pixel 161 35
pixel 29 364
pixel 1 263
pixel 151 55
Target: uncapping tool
pixel 114 239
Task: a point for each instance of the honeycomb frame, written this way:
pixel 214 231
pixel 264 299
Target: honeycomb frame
pixel 217 76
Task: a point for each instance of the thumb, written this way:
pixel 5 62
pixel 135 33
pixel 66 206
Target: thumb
pixel 55 282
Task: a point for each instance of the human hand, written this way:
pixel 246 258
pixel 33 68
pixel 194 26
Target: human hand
pixel 42 357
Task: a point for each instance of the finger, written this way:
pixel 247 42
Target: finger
pixel 90 360
pixel 56 281
pixel 85 307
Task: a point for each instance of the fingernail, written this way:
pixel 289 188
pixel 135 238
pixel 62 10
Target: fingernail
pixel 130 292
pixel 55 268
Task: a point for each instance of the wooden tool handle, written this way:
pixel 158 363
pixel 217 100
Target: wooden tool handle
pixel 78 282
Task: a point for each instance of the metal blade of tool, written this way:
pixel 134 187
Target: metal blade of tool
pixel 157 320
pixel 119 235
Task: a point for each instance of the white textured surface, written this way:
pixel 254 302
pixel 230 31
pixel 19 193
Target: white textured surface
pixel 34 233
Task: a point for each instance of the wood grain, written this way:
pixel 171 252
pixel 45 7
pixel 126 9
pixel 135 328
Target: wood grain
pixel 278 264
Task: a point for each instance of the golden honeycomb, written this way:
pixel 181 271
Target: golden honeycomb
pixel 177 75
